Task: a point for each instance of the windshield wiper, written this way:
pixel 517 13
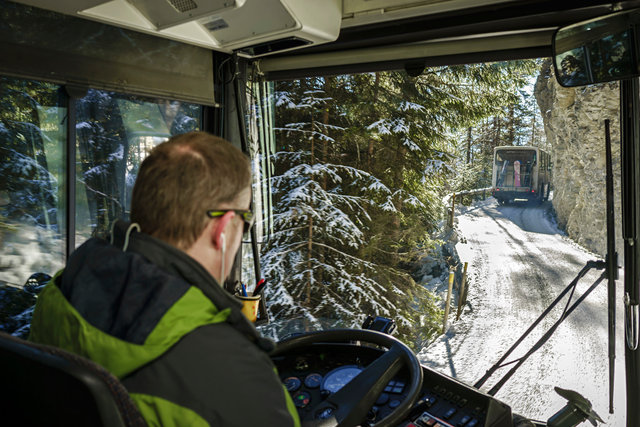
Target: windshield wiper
pixel 599 265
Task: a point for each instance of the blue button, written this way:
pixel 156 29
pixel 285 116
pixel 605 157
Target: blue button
pixel 450 413
pixel 382 399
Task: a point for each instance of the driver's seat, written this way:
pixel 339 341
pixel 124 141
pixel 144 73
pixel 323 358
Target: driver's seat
pixel 44 385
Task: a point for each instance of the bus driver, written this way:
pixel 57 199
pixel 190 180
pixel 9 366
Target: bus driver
pixel 149 305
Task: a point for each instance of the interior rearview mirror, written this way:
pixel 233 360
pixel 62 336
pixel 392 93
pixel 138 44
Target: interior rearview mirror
pixel 599 50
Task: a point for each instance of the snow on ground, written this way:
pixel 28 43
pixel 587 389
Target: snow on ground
pixel 519 262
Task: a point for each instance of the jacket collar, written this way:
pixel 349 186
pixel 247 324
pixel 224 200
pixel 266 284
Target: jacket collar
pixel 176 262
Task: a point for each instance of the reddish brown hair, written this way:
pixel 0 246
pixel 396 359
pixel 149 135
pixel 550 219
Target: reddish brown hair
pixel 181 179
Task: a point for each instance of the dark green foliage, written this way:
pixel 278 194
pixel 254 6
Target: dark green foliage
pixel 326 204
pixel 362 165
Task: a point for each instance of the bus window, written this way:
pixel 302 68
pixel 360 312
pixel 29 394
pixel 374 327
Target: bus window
pixel 32 179
pixel 114 134
pixel 512 163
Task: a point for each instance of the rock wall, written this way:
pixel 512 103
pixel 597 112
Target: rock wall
pixel 574 126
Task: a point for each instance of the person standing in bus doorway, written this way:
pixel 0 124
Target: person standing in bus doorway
pixel 149 305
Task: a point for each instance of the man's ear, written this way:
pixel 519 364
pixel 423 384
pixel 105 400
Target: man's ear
pixel 220 227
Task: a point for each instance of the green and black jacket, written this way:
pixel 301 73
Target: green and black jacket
pixel 157 320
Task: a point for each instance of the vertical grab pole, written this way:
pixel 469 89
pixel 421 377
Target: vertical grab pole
pixel 242 128
pixel 630 139
pixel 612 261
pixel 72 94
pixel 70 173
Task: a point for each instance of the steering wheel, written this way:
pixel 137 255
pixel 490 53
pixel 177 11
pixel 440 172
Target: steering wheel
pixel 350 405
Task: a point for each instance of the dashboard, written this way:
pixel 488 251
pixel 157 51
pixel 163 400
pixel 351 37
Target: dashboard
pixel 313 373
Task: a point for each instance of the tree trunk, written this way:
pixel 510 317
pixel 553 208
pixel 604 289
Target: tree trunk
pixel 469 145
pixel 329 82
pixel 309 263
pixel 533 128
pixel 325 122
pixel 398 183
pixel 511 125
pixel 376 86
pixel 310 228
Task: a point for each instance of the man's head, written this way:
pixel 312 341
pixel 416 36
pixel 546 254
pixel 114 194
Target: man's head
pixel 182 179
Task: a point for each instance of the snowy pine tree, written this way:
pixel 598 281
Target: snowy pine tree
pixel 316 257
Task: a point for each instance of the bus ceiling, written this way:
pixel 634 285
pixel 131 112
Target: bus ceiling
pixel 478 31
pixel 297 38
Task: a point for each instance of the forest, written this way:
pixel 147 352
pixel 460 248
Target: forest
pixel 361 166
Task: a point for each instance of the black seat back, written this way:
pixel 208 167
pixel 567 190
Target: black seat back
pixel 43 385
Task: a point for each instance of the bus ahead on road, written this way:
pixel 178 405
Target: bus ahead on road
pixel 520 173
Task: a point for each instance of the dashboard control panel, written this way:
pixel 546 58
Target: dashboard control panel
pixel 311 375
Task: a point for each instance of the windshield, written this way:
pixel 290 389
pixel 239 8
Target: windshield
pixel 281 329
pixel 523 156
pixel 514 168
pixel 362 171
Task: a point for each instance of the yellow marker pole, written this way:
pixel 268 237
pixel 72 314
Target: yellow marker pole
pixel 446 307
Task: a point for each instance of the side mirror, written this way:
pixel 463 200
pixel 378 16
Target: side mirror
pixel 597 51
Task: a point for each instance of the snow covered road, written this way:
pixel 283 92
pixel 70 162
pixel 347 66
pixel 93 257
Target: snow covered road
pixel 519 262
